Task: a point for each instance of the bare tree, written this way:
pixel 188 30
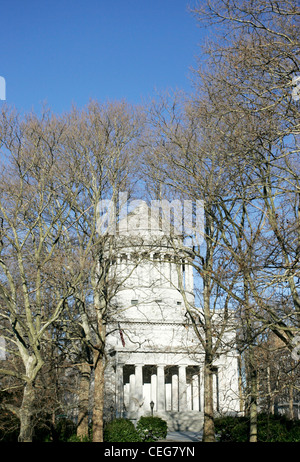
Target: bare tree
pixel 33 212
pixel 101 151
pixel 248 79
pixel 185 161
pixel 55 252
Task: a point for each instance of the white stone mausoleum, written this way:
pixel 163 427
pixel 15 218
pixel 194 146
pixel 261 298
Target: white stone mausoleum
pixel 154 355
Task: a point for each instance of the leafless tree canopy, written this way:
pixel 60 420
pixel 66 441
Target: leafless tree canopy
pixel 232 143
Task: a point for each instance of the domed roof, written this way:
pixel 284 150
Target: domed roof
pixel 147 221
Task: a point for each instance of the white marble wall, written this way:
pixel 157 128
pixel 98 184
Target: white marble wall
pixel 150 309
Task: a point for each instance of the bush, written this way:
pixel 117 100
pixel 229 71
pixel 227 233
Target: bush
pixel 64 429
pixel 83 439
pixel 120 431
pixel 151 428
pixel 269 429
pixel 232 429
pixel 45 431
pixel 278 429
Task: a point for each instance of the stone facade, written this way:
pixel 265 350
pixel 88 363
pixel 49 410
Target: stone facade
pixel 154 355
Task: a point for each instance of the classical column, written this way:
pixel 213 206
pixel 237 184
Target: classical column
pixel 175 392
pixel 153 396
pixel 132 401
pixel 173 272
pixel 182 388
pixel 151 269
pixel 189 396
pixel 195 388
pixel 119 390
pixel 161 388
pixel 168 270
pixel 139 386
pixel 168 389
pixel 188 277
pixel 159 266
pixel 201 390
pixel 162 269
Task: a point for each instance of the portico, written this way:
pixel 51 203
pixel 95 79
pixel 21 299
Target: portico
pixel 171 389
pixel 156 356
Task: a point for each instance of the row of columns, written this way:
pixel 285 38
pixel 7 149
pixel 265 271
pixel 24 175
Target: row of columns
pixel 176 395
pixel 162 270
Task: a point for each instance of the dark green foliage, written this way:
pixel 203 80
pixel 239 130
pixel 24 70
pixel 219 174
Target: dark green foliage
pixel 65 428
pixel 147 429
pixel 270 429
pixel 120 431
pixel 61 432
pixel 232 429
pixel 84 439
pixel 278 429
pixel 151 428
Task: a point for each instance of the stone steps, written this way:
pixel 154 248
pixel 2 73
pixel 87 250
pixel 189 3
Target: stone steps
pixel 185 437
pixel 188 421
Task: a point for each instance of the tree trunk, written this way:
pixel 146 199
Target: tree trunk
pixel 98 398
pixel 253 402
pixel 83 417
pixel 26 411
pixel 291 401
pixel 100 284
pixel 270 396
pixel 209 426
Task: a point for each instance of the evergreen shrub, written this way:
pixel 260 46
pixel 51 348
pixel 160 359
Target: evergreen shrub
pixel 270 429
pixel 120 431
pixel 151 428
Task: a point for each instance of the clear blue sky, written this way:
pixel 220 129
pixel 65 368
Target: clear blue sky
pixel 68 51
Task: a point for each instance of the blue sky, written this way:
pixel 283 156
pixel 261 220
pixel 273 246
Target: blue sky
pixel 68 51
